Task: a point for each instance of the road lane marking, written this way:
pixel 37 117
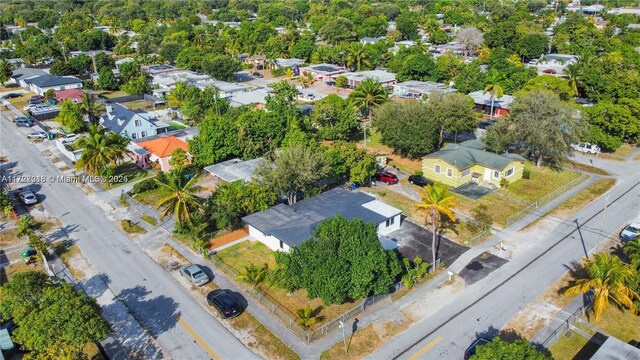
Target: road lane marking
pixel 199 340
pixel 426 348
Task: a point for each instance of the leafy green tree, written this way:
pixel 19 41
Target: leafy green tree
pixel 292 170
pixel 259 132
pixel 342 82
pixel 499 136
pixel 181 201
pixel 357 56
pixel 632 251
pixel 346 160
pixel 232 201
pixel 36 302
pixel 5 71
pixel 533 44
pixel 282 100
pixel 417 67
pixel 137 86
pixel 106 80
pixel 372 26
pixel 410 128
pixel 454 112
pixel 70 117
pixel 129 71
pixel 335 118
pixel 618 121
pixel 222 67
pixel 101 149
pixel 439 37
pixel 552 83
pixel 253 275
pixel 436 202
pixel 343 261
pixel 25 225
pixel 367 96
pixel 179 159
pixel 609 278
pixel 337 30
pixel 502 350
pixel 213 143
pixel 406 24
pixel 170 50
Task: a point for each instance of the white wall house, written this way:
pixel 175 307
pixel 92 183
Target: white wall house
pixel 40 84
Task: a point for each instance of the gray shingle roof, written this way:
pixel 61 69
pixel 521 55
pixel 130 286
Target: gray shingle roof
pixel 295 223
pixel 23 73
pixel 466 154
pixel 47 80
pixel 122 113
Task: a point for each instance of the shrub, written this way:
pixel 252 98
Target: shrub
pixel 144 185
pixel 419 173
pixel 504 183
pixel 526 174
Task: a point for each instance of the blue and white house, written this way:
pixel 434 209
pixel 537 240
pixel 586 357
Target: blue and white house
pixel 131 124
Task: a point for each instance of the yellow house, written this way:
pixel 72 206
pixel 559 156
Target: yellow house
pixel 459 164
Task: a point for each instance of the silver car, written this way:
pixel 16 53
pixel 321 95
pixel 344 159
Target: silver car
pixel 37 135
pixel 195 274
pixel 28 198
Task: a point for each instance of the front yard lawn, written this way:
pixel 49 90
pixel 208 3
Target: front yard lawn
pixel 621 324
pixel 128 172
pixel 152 197
pixel 22 101
pixel 9 237
pixel 542 182
pixel 566 348
pixel 131 227
pixel 248 252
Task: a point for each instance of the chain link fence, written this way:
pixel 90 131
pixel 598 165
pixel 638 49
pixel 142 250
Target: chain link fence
pixel 553 337
pixel 168 223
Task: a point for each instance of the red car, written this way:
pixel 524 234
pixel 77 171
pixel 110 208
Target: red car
pixel 387 177
pixel 549 71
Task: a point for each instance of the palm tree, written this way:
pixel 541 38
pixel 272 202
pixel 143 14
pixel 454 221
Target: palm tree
pixel 493 87
pixel 289 73
pixel 90 107
pixel 101 149
pixel 181 201
pixel 5 71
pixel 253 275
pixel 514 59
pixel 178 94
pixel 483 53
pixel 574 75
pixel 608 278
pixel 436 201
pixel 232 46
pixel 365 97
pixel 632 250
pixel 25 225
pixel 306 317
pixel 357 56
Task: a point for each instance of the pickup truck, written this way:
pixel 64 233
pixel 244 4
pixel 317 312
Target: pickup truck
pixel 586 147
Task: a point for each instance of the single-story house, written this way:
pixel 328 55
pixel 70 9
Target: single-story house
pixel 226 89
pixel 91 53
pixel 452 47
pixel 483 103
pixel 370 40
pixel 159 69
pixel 158 152
pixel 289 63
pixel 257 97
pixel 459 164
pixel 131 124
pixel 614 348
pixel 234 170
pixel 417 89
pixel 166 81
pixel 19 75
pixel 383 77
pixel 74 95
pixel 285 226
pixel 322 71
pixel 41 83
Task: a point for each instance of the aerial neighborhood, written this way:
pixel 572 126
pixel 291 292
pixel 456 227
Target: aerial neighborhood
pixel 253 179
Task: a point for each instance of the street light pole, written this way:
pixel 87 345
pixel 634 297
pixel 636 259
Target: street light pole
pixel 344 337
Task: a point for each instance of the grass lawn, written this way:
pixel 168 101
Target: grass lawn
pixel 264 339
pixel 9 237
pixel 582 198
pixel 625 150
pixel 542 182
pixel 128 172
pixel 566 348
pixel 364 341
pixel 247 252
pixel 149 219
pixel 621 324
pixel 131 227
pixel 152 197
pixel 22 101
pixel 498 207
pixel 588 168
pixel 113 94
pixel 8 272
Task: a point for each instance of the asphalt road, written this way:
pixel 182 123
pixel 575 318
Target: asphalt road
pixel 181 326
pixel 488 305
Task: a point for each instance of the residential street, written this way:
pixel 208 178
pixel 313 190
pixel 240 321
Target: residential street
pixel 483 308
pixel 173 317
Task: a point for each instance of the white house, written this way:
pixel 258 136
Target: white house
pixel 40 84
pixel 385 78
pixel 131 124
pixel 164 82
pixel 417 89
pixel 285 226
pixel 226 89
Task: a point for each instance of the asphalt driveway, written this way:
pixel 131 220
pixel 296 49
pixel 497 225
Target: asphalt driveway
pixel 414 240
pixel 481 266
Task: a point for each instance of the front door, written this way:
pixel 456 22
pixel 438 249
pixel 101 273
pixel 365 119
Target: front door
pixel 487 175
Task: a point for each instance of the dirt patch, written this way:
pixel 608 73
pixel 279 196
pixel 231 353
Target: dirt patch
pixel 75 261
pixel 227 238
pixel 9 237
pixel 170 258
pixel 439 298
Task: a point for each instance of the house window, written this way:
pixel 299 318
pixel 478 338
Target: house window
pixel 509 172
pixel 449 173
pixel 143 134
pixel 138 123
pixel 392 220
pixel 281 245
pixel 134 136
pixel 496 174
pixel 437 169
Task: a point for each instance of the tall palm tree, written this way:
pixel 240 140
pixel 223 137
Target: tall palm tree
pixel 178 94
pixel 5 71
pixel 365 97
pixel 494 88
pixel 357 55
pixel 436 201
pixel 90 107
pixel 574 75
pixel 632 250
pixel 253 275
pixel 101 149
pixel 608 278
pixel 181 201
pixel 232 46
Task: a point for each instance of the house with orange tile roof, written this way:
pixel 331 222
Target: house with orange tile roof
pixel 156 153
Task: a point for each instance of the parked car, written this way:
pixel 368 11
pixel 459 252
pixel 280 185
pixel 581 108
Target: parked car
pixel 11 95
pixel 36 101
pixel 69 138
pixel 533 62
pixel 28 197
pixel 387 177
pixel 419 180
pixel 195 274
pixel 20 118
pixel 549 71
pixel 260 67
pixel 258 75
pixel 630 232
pixel 486 124
pixel 586 147
pixel 311 97
pixel 37 135
pixel 24 122
pixel 224 302
pixel 471 350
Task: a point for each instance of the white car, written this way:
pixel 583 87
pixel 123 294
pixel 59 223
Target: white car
pixel 28 197
pixel 586 147
pixel 37 135
pixel 630 232
pixel 69 138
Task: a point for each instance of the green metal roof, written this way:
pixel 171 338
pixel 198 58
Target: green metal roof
pixel 462 157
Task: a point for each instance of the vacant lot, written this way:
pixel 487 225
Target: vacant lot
pixel 153 197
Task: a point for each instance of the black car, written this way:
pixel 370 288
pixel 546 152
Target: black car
pixel 471 350
pixel 223 300
pixel 11 96
pixel 419 180
pixel 258 75
pixel 486 124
